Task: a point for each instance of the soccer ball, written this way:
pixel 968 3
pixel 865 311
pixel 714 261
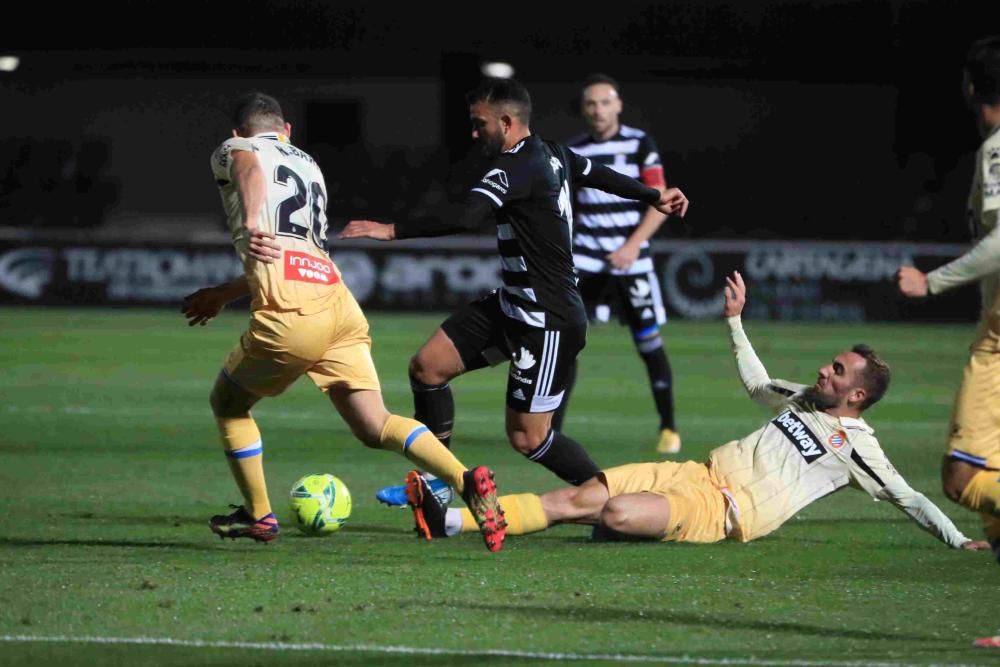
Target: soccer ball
pixel 320 504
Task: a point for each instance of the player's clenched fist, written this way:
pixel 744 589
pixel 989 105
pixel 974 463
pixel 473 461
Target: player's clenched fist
pixel 912 282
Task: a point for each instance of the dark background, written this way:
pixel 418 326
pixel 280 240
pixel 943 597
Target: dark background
pixel 812 120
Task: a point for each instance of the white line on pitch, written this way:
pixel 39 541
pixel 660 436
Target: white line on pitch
pixel 417 650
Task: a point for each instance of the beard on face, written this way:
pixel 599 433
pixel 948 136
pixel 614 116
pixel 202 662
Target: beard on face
pixel 817 398
pixel 490 146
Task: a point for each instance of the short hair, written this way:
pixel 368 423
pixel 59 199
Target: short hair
pixel 982 64
pixel 597 78
pixel 503 91
pixel 256 112
pixel 875 376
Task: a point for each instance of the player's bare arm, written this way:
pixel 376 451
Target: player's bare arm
pixel 628 252
pixel 202 306
pixel 368 229
pixel 912 282
pixel 248 177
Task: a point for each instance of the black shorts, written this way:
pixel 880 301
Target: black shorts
pixel 541 360
pixel 636 299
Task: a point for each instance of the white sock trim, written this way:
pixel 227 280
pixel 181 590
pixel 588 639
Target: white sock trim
pixel 452 522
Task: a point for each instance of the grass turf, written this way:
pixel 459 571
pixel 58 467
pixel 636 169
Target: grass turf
pixel 109 468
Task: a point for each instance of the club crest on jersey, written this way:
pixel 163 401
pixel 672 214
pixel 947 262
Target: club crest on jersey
pixel 799 435
pixel 497 179
pixel 836 440
pixel 307 268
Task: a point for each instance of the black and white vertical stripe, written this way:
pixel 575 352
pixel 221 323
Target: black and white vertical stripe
pixel 550 351
pixel 543 399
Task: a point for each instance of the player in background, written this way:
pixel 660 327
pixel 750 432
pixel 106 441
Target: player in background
pixel 536 319
pixel 970 471
pixel 611 245
pixel 304 321
pixel 816 444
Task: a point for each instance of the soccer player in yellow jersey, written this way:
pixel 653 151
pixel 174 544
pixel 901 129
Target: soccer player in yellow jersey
pixel 304 322
pixel 970 472
pixel 816 443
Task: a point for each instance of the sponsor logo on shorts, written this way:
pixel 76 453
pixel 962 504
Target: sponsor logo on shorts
pixel 518 394
pixel 799 435
pixel 640 289
pixel 516 374
pixel 307 268
pixel 640 294
pixel 836 440
pixel 524 359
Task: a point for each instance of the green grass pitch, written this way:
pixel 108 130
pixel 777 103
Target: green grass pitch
pixel 110 467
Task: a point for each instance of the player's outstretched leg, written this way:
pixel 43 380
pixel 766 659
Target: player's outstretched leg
pixel 527 513
pixel 364 411
pixel 430 370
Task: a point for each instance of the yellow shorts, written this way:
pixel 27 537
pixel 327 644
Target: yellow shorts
pixel 332 347
pixel 975 419
pixel 697 506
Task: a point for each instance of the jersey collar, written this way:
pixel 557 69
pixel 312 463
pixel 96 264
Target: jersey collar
pixel 852 422
pixel 273 136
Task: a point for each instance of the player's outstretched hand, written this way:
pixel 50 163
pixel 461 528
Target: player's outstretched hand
pixel 203 305
pixel 912 282
pixel 976 545
pixel 672 202
pixel 362 229
pixel 736 295
pixel 263 247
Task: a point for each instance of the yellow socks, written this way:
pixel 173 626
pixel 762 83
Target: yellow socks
pixel 415 441
pixel 245 453
pixel 982 493
pixel 523 512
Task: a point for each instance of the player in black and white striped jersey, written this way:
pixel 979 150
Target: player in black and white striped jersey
pixel 536 319
pixel 611 244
